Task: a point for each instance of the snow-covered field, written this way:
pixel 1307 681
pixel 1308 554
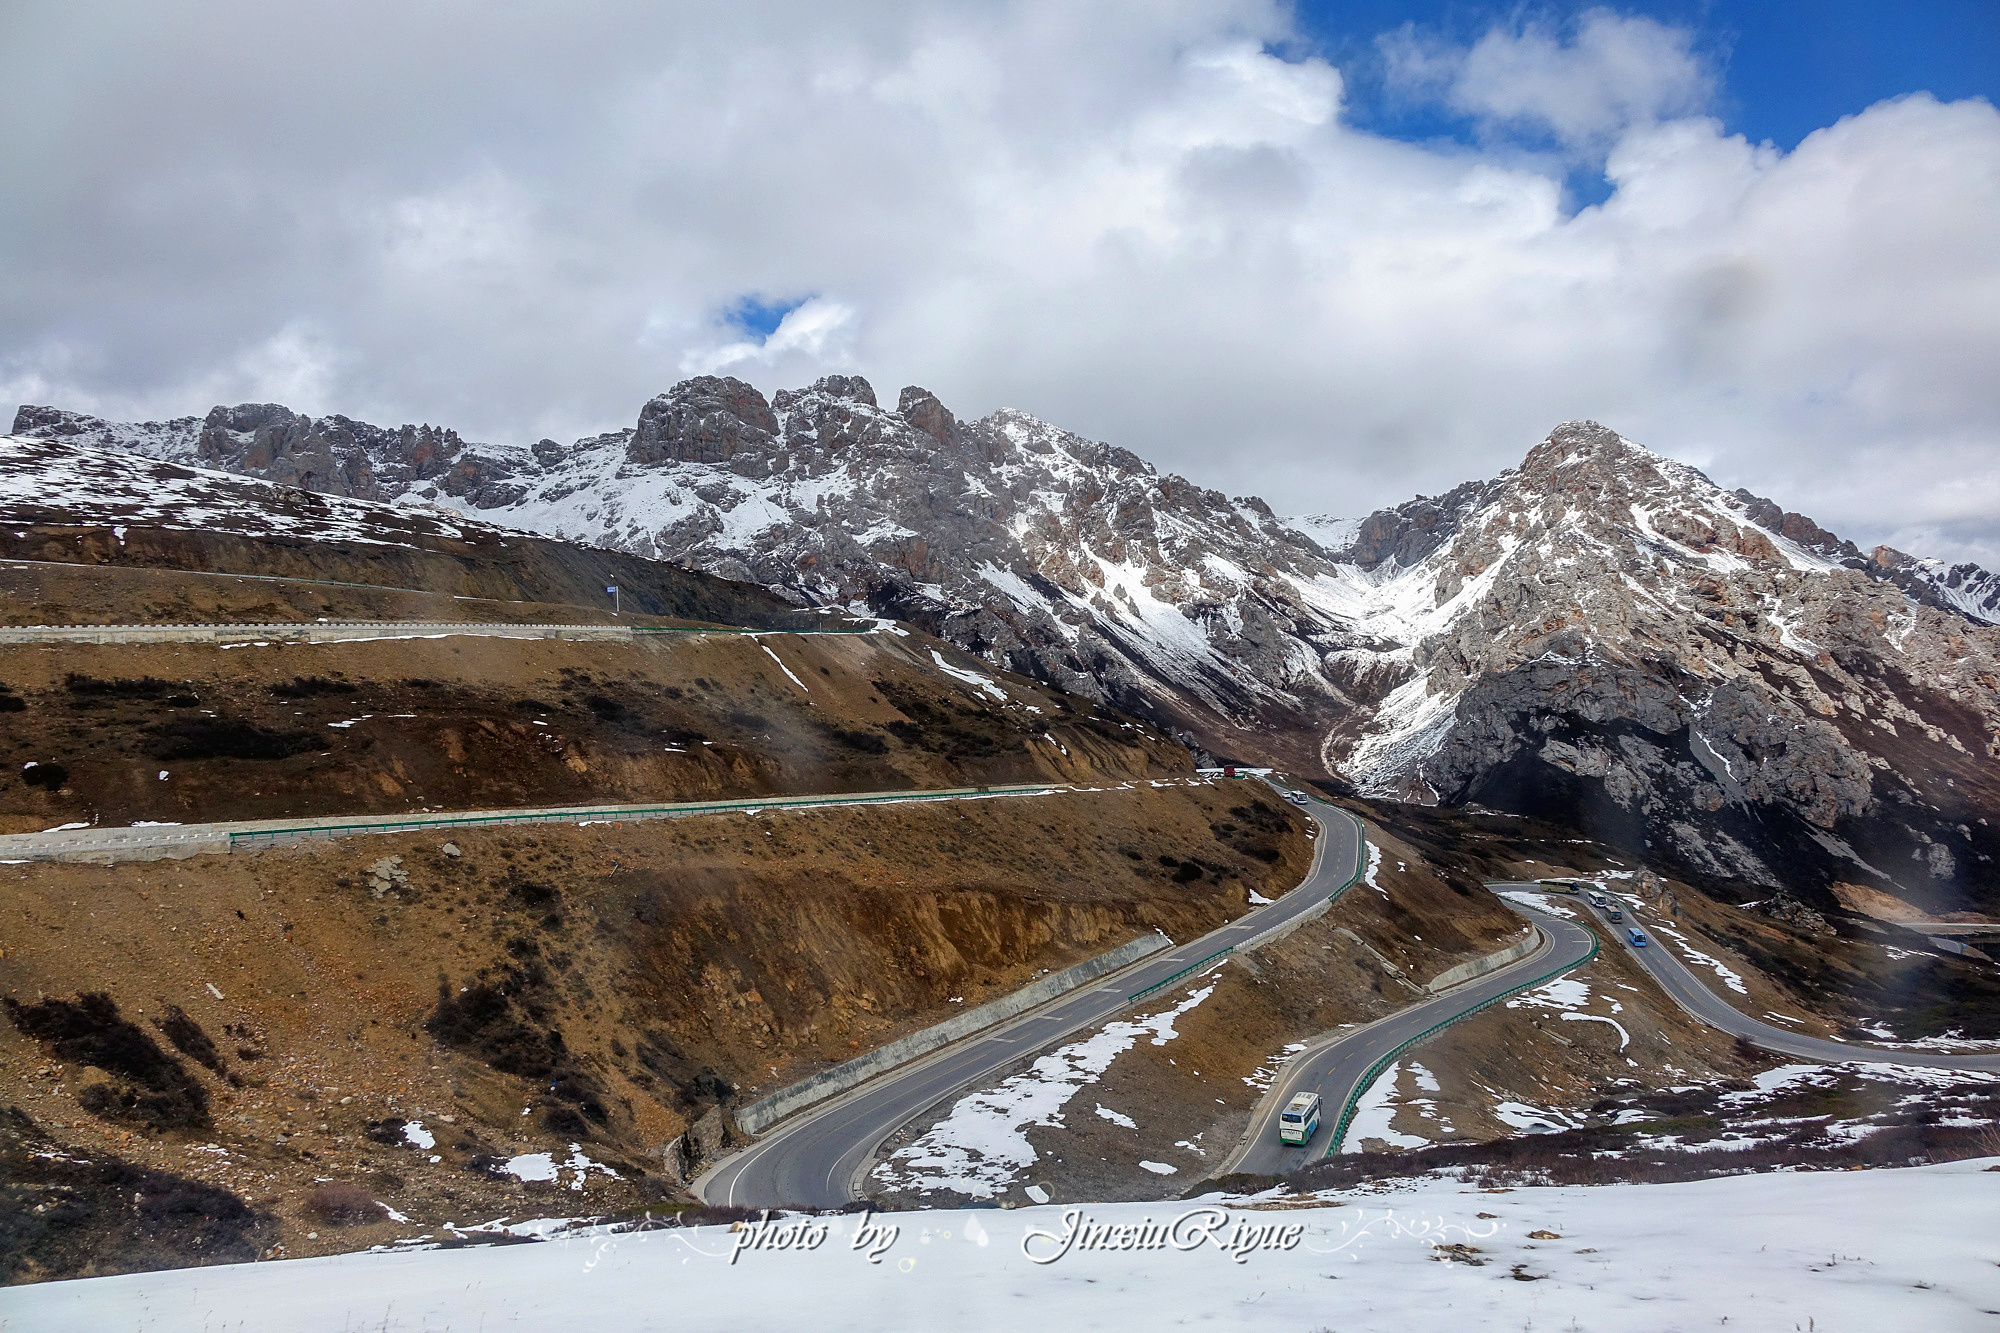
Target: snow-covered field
pixel 1867 1251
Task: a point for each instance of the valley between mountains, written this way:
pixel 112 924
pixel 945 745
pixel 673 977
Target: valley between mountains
pixel 1777 750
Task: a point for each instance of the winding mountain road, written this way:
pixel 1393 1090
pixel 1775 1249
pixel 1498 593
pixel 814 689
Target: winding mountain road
pixel 1659 960
pixel 1338 1066
pixel 819 1158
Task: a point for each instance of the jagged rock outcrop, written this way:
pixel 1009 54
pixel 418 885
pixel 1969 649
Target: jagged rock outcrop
pixel 1783 907
pixel 339 456
pixel 703 420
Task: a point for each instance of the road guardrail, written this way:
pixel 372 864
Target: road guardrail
pixel 1376 1070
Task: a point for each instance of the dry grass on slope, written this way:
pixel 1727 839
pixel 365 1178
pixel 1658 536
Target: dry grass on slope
pixel 612 982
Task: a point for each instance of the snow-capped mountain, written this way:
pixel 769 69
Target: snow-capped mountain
pixel 1601 633
pixel 78 503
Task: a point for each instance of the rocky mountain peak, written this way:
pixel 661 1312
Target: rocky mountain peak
pixel 702 420
pixel 161 439
pixel 851 387
pixel 1584 463
pixel 921 409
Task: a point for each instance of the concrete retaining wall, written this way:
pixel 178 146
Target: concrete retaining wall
pixel 1279 932
pixel 1492 962
pixel 766 1111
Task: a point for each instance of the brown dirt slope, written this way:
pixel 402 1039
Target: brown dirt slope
pixel 86 594
pixel 193 732
pixel 444 558
pixel 602 985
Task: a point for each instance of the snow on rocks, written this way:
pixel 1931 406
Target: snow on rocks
pixel 973 678
pixel 1570 996
pixel 542 1166
pixel 1730 977
pixel 59 481
pixel 1374 864
pixel 1552 903
pixel 1267 1073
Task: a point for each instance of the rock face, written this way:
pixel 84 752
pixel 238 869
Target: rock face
pixel 1601 635
pixel 352 458
pixel 1626 646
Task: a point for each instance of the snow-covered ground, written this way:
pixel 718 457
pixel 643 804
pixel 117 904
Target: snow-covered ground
pixel 1570 996
pixel 982 1146
pixel 1399 1086
pixel 1831 1251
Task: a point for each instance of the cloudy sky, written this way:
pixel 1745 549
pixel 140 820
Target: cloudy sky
pixel 1333 255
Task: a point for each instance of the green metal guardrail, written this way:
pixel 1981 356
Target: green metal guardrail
pixel 1375 1070
pixel 1192 967
pixel 616 814
pixel 737 629
pixel 1360 863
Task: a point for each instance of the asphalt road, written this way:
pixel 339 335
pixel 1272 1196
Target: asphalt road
pixel 153 841
pixel 356 631
pixel 1334 1066
pixel 817 1159
pixel 1661 961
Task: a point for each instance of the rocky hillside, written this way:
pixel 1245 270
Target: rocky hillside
pixel 64 501
pixel 1621 644
pixel 1600 634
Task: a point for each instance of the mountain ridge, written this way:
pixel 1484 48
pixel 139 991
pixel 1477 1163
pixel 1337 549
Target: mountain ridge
pixel 1700 673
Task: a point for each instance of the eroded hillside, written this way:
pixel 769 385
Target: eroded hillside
pixel 182 732
pixel 274 1020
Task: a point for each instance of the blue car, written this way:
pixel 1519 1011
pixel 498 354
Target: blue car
pixel 1638 938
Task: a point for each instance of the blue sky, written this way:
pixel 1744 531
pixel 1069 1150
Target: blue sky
pixel 1789 67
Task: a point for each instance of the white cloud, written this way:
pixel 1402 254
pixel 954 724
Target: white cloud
pixel 1140 221
pixel 813 333
pixel 1616 72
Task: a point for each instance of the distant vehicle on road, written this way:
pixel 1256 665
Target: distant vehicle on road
pixel 1299 1121
pixel 1638 937
pixel 1615 914
pixel 1598 900
pixel 1559 885
pixel 1296 798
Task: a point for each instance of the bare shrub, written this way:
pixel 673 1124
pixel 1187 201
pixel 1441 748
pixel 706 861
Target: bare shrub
pixel 342 1203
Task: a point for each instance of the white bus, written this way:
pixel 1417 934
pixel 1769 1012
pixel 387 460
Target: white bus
pixel 1299 1121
